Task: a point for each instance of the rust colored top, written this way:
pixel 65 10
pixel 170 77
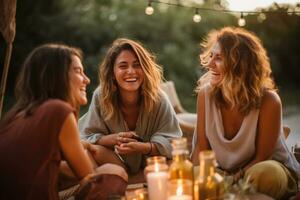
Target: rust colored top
pixel 30 152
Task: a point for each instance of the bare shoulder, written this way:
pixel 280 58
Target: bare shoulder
pixel 202 90
pixel 271 100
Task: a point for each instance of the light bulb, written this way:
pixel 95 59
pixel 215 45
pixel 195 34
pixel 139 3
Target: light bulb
pixel 242 22
pixel 197 18
pixel 149 10
pixel 261 17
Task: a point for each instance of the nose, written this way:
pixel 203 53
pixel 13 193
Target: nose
pixel 86 79
pixel 130 70
pixel 211 63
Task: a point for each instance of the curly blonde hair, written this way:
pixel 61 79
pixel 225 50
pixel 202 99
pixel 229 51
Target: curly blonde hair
pixel 149 90
pixel 247 71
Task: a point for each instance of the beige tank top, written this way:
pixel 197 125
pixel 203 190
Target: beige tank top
pixel 238 151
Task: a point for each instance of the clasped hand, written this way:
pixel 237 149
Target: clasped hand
pixel 127 144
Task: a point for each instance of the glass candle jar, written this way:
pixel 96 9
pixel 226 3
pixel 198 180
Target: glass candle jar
pixel 180 189
pixel 141 194
pixel 156 173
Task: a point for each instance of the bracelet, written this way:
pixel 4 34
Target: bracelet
pixel 148 154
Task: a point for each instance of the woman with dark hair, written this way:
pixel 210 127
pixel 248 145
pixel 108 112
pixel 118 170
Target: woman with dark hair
pixel 41 128
pixel 129 117
pixel 239 113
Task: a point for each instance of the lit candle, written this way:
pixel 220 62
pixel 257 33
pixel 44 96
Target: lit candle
pixel 180 197
pixel 157 185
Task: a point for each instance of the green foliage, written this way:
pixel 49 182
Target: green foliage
pixel 169 33
pixel 280 33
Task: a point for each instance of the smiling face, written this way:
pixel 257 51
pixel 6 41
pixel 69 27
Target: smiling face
pixel 78 82
pixel 128 72
pixel 216 65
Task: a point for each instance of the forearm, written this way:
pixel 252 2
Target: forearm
pixel 150 149
pixel 108 140
pixel 195 155
pixel 92 159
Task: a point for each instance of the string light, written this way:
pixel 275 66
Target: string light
pixel 197 17
pixel 261 17
pixel 149 10
pixel 297 10
pixel 242 21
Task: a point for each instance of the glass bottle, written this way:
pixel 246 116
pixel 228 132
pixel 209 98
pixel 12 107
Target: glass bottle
pixel 156 173
pixel 210 184
pixel 181 167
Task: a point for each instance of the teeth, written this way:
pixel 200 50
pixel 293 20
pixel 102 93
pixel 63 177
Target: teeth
pixel 130 79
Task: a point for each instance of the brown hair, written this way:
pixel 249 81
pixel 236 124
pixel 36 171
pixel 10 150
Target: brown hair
pixel 44 75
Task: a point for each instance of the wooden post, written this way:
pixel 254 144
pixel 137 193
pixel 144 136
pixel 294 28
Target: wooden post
pixel 4 75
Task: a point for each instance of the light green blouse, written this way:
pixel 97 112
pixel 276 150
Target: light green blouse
pixel 158 126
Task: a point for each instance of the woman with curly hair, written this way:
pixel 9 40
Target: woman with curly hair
pixel 240 115
pixel 129 117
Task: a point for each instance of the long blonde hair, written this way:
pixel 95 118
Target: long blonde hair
pixel 150 87
pixel 247 71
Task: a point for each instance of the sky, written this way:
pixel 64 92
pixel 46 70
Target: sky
pixel 250 5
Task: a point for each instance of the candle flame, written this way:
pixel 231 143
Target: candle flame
pixel 156 167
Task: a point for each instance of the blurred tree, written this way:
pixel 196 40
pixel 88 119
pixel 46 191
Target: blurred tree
pixel 170 33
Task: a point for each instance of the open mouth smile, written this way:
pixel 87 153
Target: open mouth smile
pixel 130 80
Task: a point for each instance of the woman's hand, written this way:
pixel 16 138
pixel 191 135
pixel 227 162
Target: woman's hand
pixel 117 139
pixel 85 144
pixel 133 147
pixel 109 141
pixel 126 137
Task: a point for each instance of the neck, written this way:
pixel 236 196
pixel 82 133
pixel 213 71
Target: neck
pixel 129 100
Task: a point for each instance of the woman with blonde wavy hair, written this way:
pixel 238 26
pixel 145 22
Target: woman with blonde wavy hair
pixel 129 117
pixel 240 115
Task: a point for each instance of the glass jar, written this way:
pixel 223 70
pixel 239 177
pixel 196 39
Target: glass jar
pixel 156 173
pixel 180 189
pixel 141 194
pixel 181 167
pixel 209 184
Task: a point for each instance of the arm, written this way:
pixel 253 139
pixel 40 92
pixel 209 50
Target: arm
pixel 167 128
pixel 202 142
pixel 146 148
pixel 268 130
pixel 73 149
pixel 92 126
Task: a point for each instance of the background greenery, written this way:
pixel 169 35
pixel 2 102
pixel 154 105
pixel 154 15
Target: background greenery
pixel 169 33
